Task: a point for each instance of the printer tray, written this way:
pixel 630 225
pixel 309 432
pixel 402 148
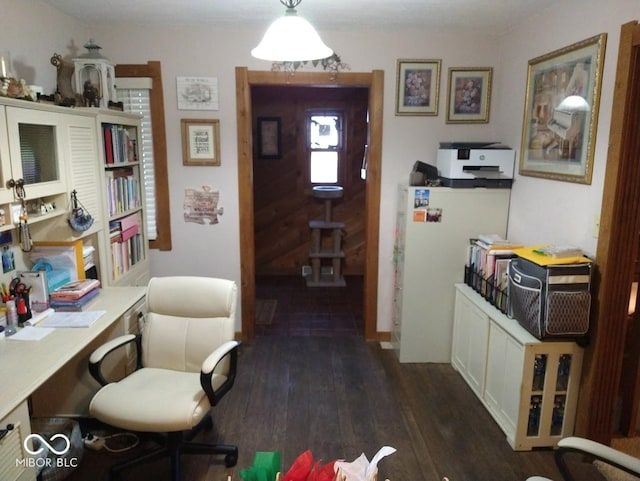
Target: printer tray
pixel 478 182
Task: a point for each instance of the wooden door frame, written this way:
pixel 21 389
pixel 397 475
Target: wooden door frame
pixel 616 252
pixel 374 81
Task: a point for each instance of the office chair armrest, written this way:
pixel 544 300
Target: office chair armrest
pixel 210 363
pixel 596 450
pixel 98 356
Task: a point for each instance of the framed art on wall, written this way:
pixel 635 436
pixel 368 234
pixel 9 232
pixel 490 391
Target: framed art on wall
pixel 197 93
pixel 418 87
pixel 269 143
pixel 469 96
pixel 200 141
pixel 561 112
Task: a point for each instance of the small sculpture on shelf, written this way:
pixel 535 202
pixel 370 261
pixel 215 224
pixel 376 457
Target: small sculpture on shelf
pixel 65 94
pixel 90 95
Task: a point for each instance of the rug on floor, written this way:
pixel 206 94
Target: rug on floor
pixel 265 309
pixel 626 445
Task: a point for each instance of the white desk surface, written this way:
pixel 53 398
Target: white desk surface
pixel 25 365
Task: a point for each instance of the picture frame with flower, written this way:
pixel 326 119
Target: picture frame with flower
pixel 418 87
pixel 469 96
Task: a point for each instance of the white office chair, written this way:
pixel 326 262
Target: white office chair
pixel 593 451
pixel 187 359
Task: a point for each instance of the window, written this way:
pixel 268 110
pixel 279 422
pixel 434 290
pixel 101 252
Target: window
pixel 152 71
pixel 325 146
pixel 134 93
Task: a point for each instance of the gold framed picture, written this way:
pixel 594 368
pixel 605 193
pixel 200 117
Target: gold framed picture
pixel 561 112
pixel 418 87
pixel 200 142
pixel 469 95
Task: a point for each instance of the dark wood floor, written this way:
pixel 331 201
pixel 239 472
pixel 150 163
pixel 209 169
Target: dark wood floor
pixel 341 396
pixel 311 311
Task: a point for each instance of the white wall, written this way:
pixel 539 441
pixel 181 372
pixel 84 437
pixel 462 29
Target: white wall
pixel 547 210
pixel 214 250
pixel 32 32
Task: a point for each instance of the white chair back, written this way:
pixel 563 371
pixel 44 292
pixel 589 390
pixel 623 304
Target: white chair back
pixel 187 318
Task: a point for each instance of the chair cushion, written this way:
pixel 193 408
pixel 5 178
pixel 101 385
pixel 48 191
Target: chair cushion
pixel 153 400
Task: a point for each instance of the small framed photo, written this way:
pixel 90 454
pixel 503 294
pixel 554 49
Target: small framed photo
pixel 200 141
pixel 197 93
pixel 469 96
pixel 269 142
pixel 418 87
pixel 561 112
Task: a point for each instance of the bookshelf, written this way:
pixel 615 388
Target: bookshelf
pixel 126 245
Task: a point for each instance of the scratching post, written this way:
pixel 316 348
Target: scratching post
pixel 334 253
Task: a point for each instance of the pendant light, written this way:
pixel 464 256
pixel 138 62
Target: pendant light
pixel 291 38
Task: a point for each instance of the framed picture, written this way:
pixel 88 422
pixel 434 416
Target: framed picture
pixel 469 95
pixel 200 141
pixel 197 93
pixel 269 143
pixel 418 87
pixel 561 112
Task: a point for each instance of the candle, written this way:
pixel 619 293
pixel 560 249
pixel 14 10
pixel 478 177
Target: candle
pixel 5 65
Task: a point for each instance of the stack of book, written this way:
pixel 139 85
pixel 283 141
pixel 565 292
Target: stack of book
pixel 126 243
pixel 487 267
pixel 74 295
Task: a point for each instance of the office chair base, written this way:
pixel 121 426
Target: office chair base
pixel 175 448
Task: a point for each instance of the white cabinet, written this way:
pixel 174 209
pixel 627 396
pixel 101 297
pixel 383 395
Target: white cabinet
pixel 470 338
pixel 14 461
pixel 58 150
pixel 125 239
pixel 35 148
pixel 434 225
pixel 530 387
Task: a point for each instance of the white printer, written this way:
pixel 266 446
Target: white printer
pixel 475 164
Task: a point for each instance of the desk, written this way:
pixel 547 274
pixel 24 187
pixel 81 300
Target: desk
pixel 26 365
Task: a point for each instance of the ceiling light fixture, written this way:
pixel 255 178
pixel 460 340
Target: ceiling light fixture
pixel 291 38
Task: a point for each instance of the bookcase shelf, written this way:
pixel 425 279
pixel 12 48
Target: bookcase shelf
pixel 125 237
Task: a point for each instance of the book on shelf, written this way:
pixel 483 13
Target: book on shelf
pixel 119 144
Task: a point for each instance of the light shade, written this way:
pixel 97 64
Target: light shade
pixel 574 103
pixel 291 39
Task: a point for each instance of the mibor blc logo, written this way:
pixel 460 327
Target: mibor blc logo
pixel 46 462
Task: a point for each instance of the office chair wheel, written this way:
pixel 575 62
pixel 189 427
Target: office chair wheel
pixel 230 460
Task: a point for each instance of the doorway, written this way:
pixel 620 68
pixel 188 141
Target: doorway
pixel 616 255
pixel 373 81
pixel 303 137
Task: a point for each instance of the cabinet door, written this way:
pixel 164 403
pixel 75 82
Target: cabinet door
pixel 14 464
pixel 37 146
pixel 470 339
pixel 84 170
pixel 503 386
pixel 6 194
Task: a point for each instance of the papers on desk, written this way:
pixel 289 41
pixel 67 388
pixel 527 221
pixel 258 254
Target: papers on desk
pixel 71 319
pixel 31 333
pixel 55 320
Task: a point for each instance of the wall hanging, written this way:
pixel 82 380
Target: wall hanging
pixel 561 112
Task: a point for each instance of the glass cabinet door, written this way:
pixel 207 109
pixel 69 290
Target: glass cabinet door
pixel 36 145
